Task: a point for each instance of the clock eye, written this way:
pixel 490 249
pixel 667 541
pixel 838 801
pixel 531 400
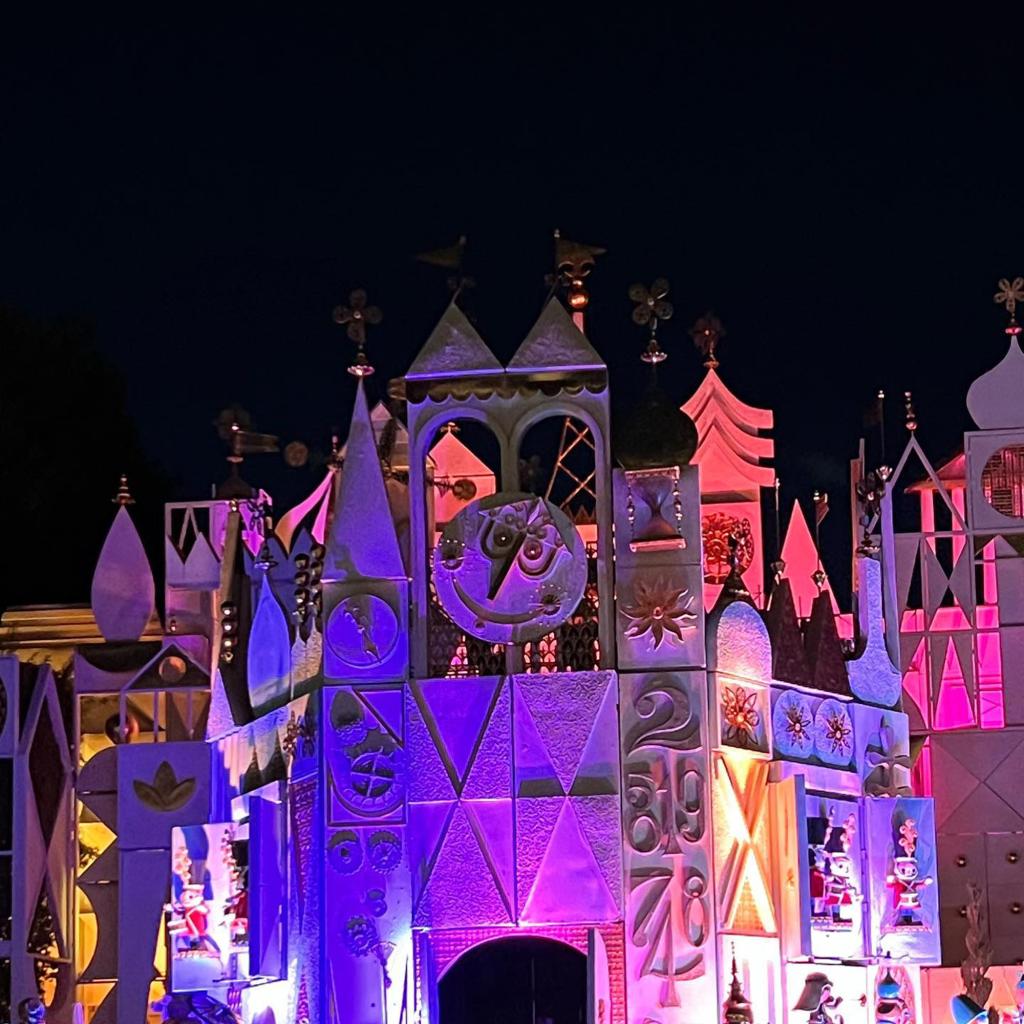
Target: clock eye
pixel 498 540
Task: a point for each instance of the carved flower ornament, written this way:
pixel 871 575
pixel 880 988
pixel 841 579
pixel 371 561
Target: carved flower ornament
pixel 165 793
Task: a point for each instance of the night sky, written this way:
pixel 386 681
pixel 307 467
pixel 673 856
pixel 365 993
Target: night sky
pixel 843 194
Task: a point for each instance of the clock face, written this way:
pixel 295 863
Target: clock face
pixel 510 568
pixel 362 630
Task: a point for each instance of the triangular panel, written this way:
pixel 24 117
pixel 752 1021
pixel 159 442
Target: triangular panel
pixel 933 579
pixel 569 885
pixel 535 773
pixel 490 776
pixel 461 890
pixel 597 773
pixel 555 343
pixel 563 710
pixel 428 825
pixel 535 820
pixel 458 710
pixel 492 822
pixel 386 705
pixel 454 349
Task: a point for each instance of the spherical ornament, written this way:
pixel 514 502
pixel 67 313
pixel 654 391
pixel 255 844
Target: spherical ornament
pixel 510 568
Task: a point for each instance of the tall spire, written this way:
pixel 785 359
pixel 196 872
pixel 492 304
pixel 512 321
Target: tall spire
pixel 123 592
pixel 362 540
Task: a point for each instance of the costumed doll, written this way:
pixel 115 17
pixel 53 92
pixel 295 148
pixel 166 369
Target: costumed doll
pixel 905 881
pixel 891 1007
pixel 817 997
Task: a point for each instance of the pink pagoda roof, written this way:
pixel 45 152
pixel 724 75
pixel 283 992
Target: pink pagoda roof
pixel 732 448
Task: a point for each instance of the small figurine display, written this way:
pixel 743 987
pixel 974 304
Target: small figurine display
pixel 906 882
pixel 834 893
pixel 191 926
pixel 818 998
pixel 31 1011
pixel 890 1006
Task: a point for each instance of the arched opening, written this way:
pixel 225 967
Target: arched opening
pixel 528 980
pixel 463 465
pixel 558 462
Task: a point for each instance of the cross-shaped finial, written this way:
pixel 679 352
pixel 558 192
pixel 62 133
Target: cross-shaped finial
pixel 707 332
pixel 1009 294
pixel 355 317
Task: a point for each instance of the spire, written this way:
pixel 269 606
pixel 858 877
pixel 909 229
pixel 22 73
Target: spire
pixel 268 659
pixel 801 559
pixel 737 1007
pixel 362 540
pixel 789 660
pixel 454 349
pixel 123 594
pixel 824 649
pixel 555 343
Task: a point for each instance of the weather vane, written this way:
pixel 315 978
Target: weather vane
pixel 451 258
pixel 355 317
pixel 651 308
pixel 573 263
pixel 707 332
pixel 1009 294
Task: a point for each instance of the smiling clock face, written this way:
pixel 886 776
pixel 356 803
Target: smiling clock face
pixel 510 568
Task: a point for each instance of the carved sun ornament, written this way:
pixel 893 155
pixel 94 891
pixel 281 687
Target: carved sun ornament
pixel 739 710
pixel 659 608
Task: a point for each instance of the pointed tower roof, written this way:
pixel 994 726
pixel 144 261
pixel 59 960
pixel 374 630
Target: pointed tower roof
pixel 732 446
pixel 555 343
pixel 454 349
pixel 789 660
pixel 123 592
pixel 362 540
pixel 801 558
pixel 824 649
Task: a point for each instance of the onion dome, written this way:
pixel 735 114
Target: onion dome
pixel 995 398
pixel 657 433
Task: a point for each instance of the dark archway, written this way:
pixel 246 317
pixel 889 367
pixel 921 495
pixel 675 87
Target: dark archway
pixel 529 980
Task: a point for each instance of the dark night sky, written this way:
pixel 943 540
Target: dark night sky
pixel 843 194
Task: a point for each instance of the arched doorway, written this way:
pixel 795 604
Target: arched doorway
pixel 530 980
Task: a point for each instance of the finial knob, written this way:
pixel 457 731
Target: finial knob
pixel 123 496
pixel 707 332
